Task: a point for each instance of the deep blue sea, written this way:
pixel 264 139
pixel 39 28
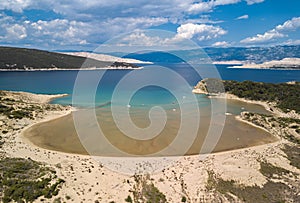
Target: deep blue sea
pixel 57 82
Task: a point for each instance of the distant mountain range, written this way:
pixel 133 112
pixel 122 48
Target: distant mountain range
pixel 27 59
pixel 253 54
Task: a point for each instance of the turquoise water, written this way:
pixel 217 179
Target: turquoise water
pixel 169 88
pixel 54 82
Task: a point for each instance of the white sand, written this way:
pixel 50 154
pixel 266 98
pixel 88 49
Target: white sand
pixel 105 57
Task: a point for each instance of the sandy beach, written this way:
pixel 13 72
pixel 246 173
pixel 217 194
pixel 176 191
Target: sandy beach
pixel 89 181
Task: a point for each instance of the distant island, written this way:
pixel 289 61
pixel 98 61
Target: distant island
pixel 32 59
pixel 286 63
pixel 226 55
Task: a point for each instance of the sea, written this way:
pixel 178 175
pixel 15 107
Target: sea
pixel 62 82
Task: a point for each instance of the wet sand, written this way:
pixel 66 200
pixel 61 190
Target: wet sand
pixel 61 135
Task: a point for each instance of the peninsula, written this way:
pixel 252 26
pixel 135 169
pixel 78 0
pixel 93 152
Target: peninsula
pixel 23 59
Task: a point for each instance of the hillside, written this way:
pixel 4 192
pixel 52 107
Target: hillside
pixel 21 58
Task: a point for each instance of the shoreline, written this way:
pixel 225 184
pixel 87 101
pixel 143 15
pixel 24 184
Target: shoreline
pixel 228 96
pixel 283 64
pixel 82 173
pixel 57 115
pixel 70 69
pixel 261 68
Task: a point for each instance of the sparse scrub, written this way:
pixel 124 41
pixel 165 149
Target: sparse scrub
pixel 145 191
pixel 24 180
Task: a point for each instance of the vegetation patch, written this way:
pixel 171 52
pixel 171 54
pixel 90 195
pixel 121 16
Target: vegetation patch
pixel 270 192
pixel 293 154
pixel 270 170
pixel 270 121
pixel 145 191
pixel 285 95
pixel 25 180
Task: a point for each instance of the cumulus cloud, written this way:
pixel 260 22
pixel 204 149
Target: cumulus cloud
pixel 199 31
pixel 77 9
pixel 262 38
pixel 104 9
pixel 15 5
pixel 61 30
pixel 95 21
pixel 221 44
pixel 16 32
pixel 292 24
pixel 70 32
pixel 56 32
pixel 242 17
pixel 278 32
pixel 139 38
pixel 201 7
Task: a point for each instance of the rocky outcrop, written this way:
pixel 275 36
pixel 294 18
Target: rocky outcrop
pixel 209 86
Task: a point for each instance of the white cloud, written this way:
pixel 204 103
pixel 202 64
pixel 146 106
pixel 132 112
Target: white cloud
pixel 221 44
pixel 70 32
pixel 292 42
pixel 201 7
pixel 15 5
pixel 54 32
pixel 207 6
pixel 94 21
pixel 277 32
pixel 262 38
pixel 16 32
pixel 242 17
pixel 204 19
pixel 199 31
pixel 139 38
pixel 225 2
pixel 250 2
pixel 292 24
pixel 60 30
pixel 129 24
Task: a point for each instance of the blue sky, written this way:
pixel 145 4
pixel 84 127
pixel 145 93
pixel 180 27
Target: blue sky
pixel 85 24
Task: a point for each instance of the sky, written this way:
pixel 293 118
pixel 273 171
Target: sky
pixel 86 24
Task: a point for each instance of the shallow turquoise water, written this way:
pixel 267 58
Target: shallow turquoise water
pixel 54 82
